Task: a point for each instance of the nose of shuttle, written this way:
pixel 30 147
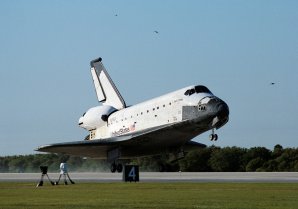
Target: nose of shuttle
pixel 222 110
pixel 221 113
pixel 81 122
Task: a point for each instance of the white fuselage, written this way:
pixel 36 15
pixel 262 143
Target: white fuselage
pixel 156 112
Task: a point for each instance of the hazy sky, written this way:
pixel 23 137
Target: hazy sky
pixel 235 48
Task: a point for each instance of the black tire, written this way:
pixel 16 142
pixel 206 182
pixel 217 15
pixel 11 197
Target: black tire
pixel 113 167
pixel 119 168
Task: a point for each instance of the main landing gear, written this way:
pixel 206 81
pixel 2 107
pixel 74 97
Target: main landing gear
pixel 116 167
pixel 213 136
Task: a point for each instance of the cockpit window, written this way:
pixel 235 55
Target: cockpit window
pixel 197 89
pixel 202 89
pixel 187 92
pixel 84 114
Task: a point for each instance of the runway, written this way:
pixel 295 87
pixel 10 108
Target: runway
pixel 275 177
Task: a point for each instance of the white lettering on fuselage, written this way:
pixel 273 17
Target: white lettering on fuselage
pixel 120 131
pixel 123 130
pixel 178 100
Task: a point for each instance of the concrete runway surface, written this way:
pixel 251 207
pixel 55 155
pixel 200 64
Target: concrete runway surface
pixel 290 177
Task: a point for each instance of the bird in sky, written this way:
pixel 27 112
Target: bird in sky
pixel 156 31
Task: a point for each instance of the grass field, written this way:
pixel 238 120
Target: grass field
pixel 149 195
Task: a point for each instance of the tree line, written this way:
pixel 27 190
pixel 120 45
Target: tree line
pixel 210 159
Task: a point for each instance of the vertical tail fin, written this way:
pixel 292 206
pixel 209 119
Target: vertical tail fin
pixel 106 90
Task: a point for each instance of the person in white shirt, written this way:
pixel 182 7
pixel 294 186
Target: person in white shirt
pixel 64 172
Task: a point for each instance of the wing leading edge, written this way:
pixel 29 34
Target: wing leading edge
pixel 148 142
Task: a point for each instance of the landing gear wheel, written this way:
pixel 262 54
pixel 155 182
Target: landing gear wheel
pixel 213 137
pixel 113 167
pixel 119 168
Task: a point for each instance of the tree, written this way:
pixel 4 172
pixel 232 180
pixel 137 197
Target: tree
pixel 196 161
pixel 227 159
pixel 277 151
pixel 4 164
pixel 17 164
pixel 287 160
pixel 255 164
pixel 271 166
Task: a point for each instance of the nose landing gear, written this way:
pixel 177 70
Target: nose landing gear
pixel 213 136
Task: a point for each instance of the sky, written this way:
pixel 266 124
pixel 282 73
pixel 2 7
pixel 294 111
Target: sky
pixel 235 47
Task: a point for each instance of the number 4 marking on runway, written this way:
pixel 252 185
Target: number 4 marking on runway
pixel 132 173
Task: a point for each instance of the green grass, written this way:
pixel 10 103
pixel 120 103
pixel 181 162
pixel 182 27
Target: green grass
pixel 149 195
